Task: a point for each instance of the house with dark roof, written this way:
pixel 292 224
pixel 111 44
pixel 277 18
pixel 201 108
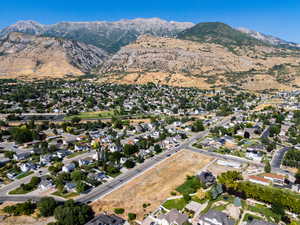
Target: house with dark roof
pixel 260 222
pixel 173 217
pixel 207 178
pixel 104 219
pixel 213 217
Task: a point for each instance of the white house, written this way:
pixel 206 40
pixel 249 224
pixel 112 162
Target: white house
pixel 68 168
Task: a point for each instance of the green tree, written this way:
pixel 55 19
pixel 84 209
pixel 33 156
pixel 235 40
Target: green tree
pixel 47 206
pixel 267 167
pixel 81 187
pixel 71 213
pixel 129 164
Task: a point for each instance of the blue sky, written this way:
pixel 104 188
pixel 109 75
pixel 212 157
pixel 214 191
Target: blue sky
pixel 277 17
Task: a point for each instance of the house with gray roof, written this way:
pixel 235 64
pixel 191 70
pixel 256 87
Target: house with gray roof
pixel 173 217
pixel 260 222
pixel 104 219
pixel 213 217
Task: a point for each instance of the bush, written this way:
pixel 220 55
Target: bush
pixel 119 210
pixel 131 216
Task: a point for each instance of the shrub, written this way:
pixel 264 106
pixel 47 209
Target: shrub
pixel 119 210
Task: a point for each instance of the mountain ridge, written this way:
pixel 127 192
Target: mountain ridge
pixel 110 36
pixel 35 56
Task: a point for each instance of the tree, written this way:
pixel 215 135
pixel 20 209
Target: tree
pixel 9 154
pixel 75 120
pixel 247 135
pixel 81 187
pixel 267 167
pixel 71 213
pixel 47 206
pixel 186 197
pixel 77 175
pixel 130 149
pixel 198 126
pixel 21 134
pixel 129 164
pixel 157 148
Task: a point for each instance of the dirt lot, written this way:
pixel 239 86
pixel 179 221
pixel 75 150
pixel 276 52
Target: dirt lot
pixel 154 186
pixel 218 169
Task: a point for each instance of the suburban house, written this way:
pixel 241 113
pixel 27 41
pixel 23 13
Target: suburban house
pixel 104 219
pixel 206 178
pixel 213 217
pixel 25 167
pixel 260 222
pixel 68 168
pixel 259 180
pixel 274 178
pixel 22 156
pixel 70 187
pixel 46 184
pixel 173 217
pixel 85 161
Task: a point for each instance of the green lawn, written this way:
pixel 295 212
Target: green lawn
pixel 67 195
pixel 263 210
pixel 92 115
pixel 248 217
pixel 191 185
pixel 20 191
pixel 76 154
pixel 175 204
pixel 22 175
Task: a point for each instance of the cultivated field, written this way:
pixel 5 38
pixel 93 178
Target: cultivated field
pixel 154 186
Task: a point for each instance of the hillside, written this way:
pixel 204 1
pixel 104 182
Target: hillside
pixel 201 64
pixel 27 56
pixel 218 33
pixel 110 36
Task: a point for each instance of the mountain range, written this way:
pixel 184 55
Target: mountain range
pixel 150 50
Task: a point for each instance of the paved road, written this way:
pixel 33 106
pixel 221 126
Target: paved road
pixel 266 132
pixel 278 157
pixel 23 198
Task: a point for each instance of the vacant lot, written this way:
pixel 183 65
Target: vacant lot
pixel 154 186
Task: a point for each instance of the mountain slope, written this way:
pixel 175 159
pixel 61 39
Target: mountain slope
pixel 110 36
pixel 268 38
pixel 200 64
pixel 33 56
pixel 219 33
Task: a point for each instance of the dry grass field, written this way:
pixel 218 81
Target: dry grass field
pixel 154 186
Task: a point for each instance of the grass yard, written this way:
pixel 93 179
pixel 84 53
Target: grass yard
pixel 76 154
pixel 249 217
pixel 92 115
pixel 154 186
pixel 68 195
pixel 24 175
pixel 20 191
pixel 261 209
pixel 179 204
